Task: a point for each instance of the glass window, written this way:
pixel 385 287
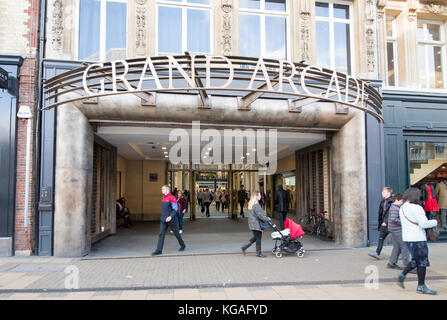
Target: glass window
pixel 431 52
pixel 102 30
pixel 391 52
pixel 424 153
pixel 263 28
pixel 169 29
pixel 333 35
pixel 184 28
pixel 89 29
pixel 250 4
pixel 249 44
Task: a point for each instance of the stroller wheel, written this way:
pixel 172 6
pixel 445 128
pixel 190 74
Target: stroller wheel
pixel 278 254
pixel 300 254
pixel 274 250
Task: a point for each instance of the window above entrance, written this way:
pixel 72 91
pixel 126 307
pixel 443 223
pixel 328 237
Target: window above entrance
pixel 334 35
pixel 263 28
pixel 102 30
pixel 184 25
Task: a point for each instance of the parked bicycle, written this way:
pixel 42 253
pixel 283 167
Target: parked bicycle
pixel 316 223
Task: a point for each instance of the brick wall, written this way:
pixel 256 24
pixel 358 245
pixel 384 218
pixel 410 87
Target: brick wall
pixel 28 28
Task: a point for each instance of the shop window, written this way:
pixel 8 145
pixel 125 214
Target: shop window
pixel 102 30
pixel 263 28
pixel 431 54
pixel 334 35
pixel 428 161
pixel 184 25
pixel 391 52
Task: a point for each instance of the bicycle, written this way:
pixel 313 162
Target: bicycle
pixel 322 227
pixel 307 221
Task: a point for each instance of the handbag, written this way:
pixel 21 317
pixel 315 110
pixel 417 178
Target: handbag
pixel 432 233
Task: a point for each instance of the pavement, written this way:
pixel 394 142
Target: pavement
pixel 321 274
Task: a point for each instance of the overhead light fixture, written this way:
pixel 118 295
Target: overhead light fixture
pixel 164 148
pixel 166 157
pixel 247 154
pixel 254 150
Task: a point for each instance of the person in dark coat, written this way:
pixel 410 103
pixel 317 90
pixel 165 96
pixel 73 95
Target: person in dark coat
pixel 255 216
pixel 168 218
pixel 282 201
pixel 384 209
pixel 241 197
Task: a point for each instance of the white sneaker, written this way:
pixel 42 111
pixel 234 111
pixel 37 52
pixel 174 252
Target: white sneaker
pixel 172 232
pixel 181 231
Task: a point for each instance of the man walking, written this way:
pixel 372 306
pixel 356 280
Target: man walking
pixel 384 208
pixel 282 200
pixel 395 229
pixel 241 198
pixel 168 218
pixel 206 200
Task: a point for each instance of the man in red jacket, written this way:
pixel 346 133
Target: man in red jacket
pixel 168 218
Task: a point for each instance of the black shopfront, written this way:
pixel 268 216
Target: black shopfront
pixel 415 131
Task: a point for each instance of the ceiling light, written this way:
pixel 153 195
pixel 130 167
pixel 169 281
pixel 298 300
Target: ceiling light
pixel 166 157
pixel 204 157
pixel 164 148
pixel 209 149
pixel 247 154
pixel 254 150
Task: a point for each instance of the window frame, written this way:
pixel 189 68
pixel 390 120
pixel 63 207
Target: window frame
pixel 262 12
pixel 393 40
pixel 102 28
pixel 441 43
pixel 184 5
pixel 331 20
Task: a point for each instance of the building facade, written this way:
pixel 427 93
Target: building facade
pixel 343 150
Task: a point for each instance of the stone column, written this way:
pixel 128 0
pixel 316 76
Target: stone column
pixel 407 49
pixel 303 20
pixel 349 181
pixel 73 183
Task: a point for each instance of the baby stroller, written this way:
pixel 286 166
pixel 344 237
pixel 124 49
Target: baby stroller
pixel 288 240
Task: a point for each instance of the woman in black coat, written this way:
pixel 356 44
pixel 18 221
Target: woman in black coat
pixel 255 216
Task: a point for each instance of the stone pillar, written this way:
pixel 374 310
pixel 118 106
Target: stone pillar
pixel 349 181
pixel 73 183
pixel 303 20
pixel 407 49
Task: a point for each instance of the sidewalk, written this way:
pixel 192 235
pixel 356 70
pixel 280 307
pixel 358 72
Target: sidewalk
pixel 322 274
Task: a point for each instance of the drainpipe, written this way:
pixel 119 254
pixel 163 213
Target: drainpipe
pixel 38 124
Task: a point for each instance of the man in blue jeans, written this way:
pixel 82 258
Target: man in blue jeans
pixel 168 218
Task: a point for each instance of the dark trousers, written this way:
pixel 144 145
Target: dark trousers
pixel 161 237
pixel 383 233
pixel 242 207
pixel 207 206
pixel 282 218
pixel 257 236
pixel 217 206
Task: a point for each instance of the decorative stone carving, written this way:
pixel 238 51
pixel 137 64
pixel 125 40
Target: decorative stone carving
pixel 370 36
pixel 435 8
pixel 227 8
pixel 305 35
pixel 140 24
pixel 57 28
pixel 412 15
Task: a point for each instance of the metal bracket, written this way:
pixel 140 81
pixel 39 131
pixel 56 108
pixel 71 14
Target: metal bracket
pixel 149 101
pixel 242 104
pixel 204 101
pixel 341 109
pixel 294 106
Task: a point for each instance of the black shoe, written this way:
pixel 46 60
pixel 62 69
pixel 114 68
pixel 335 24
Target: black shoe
pixel 244 248
pixel 260 255
pixel 182 248
pixel 156 253
pixel 394 266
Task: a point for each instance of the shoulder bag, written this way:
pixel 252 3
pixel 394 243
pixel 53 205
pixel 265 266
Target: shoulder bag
pixel 432 233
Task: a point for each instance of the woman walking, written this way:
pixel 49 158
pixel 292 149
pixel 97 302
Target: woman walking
pixel 414 222
pixel 255 216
